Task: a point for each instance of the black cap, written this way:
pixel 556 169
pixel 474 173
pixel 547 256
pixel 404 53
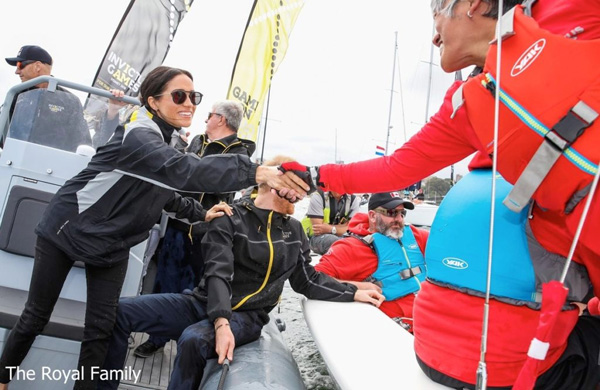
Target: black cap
pixel 30 53
pixel 389 201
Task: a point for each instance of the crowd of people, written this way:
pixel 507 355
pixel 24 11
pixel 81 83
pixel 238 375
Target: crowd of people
pixel 222 292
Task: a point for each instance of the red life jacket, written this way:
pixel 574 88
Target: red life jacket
pixel 447 328
pixel 544 76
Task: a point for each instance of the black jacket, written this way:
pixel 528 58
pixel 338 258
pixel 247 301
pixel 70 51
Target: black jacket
pixel 201 146
pixel 239 261
pixel 111 205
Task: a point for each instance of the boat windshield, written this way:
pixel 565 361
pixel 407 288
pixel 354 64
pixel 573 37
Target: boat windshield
pixel 50 118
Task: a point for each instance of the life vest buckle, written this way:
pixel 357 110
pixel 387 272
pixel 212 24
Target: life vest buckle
pixel 571 126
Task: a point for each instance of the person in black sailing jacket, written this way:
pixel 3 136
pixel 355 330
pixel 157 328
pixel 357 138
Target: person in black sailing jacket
pixel 179 258
pixel 110 206
pixel 248 257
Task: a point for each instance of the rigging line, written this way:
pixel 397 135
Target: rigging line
pixel 580 226
pixel 482 369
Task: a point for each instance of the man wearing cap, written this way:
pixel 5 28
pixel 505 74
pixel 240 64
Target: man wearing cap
pixel 31 62
pixel 381 252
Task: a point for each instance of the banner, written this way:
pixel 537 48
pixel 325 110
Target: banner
pixel 263 47
pixel 141 43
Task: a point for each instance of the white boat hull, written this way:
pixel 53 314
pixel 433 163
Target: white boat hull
pixel 363 348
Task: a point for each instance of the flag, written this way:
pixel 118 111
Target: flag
pixel 263 47
pixel 140 43
pixel 379 150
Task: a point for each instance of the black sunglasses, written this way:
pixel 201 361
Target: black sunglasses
pixel 393 213
pixel 179 96
pixel 22 64
pixel 210 114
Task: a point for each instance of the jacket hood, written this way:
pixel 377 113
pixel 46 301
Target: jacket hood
pixel 144 118
pixel 199 142
pixel 359 224
pixel 250 145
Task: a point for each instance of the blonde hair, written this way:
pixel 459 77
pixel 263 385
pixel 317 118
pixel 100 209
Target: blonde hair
pixel 274 162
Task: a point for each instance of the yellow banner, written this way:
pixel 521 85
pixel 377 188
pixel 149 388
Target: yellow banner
pixel 263 47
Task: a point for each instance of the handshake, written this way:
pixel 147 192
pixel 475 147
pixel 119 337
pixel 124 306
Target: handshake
pixel 310 175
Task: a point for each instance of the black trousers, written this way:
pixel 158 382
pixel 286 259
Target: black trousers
pixel 179 317
pixel 50 269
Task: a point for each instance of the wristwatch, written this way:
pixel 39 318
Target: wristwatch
pixel 333 230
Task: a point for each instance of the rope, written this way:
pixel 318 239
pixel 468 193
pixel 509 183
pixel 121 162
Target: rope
pixel 482 368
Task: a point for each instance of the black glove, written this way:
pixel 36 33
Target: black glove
pixel 310 175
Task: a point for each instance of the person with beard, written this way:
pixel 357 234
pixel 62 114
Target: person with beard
pixel 179 260
pixel 248 258
pixel 375 241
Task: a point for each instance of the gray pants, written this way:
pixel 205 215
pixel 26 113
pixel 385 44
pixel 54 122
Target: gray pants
pixel 320 244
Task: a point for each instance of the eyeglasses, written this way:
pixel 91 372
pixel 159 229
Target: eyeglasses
pixel 210 114
pixel 391 213
pixel 22 64
pixel 179 96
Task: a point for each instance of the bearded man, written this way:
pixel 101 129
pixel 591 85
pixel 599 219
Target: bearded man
pixel 381 252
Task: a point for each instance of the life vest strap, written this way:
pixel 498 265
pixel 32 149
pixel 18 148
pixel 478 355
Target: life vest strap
pixel 507 25
pixel 410 272
pixel 527 4
pixel 558 139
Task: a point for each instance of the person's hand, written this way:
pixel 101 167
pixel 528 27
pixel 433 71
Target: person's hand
pixel 310 175
pixel 321 228
pixel 369 296
pixel 367 286
pixel 224 340
pixel 288 185
pixel 594 306
pixel 217 211
pixel 115 105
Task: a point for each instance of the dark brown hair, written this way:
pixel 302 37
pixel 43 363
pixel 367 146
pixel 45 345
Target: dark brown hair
pixel 156 81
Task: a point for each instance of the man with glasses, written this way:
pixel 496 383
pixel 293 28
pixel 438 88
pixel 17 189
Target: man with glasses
pixel 180 264
pixel 381 252
pixel 31 62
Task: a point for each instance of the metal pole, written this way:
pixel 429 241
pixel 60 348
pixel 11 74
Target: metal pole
pixel 387 138
pixel 262 151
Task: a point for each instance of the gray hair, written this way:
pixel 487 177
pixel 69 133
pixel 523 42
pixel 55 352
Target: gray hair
pixel 437 7
pixel 232 111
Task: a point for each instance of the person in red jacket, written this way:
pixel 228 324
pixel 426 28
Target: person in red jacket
pixel 355 258
pixel 464 30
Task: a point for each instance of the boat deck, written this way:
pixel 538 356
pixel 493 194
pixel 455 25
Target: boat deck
pixel 155 370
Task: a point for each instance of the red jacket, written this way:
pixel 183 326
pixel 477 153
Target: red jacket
pixel 351 259
pixel 442 142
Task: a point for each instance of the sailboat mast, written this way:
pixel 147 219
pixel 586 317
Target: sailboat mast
pixel 429 78
pixel 389 127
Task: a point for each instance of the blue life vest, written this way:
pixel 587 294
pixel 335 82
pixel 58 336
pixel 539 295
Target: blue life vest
pixel 401 265
pixel 457 248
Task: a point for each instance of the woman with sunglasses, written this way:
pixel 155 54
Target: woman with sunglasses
pixel 110 206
